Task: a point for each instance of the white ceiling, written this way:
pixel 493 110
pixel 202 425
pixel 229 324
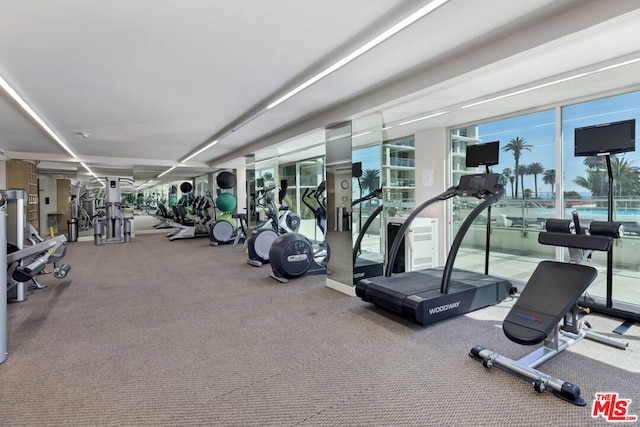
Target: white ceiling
pixel 153 81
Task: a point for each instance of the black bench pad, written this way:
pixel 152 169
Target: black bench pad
pixel 550 293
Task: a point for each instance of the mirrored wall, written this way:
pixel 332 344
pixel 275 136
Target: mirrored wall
pixel 367 229
pixel 339 197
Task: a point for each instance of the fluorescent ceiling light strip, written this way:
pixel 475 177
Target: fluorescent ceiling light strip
pixel 429 116
pixel 420 13
pixel 620 64
pixel 143 184
pixel 84 165
pixel 529 89
pixel 554 82
pixel 358 135
pixel 517 92
pixel 205 148
pixel 16 97
pixel 166 172
pixel 361 50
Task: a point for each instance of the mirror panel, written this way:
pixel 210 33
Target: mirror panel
pixel 339 194
pixel 367 207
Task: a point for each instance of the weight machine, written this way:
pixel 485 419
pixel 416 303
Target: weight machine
pixel 112 227
pixel 21 263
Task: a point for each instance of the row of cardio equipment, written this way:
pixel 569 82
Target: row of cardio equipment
pixel 276 239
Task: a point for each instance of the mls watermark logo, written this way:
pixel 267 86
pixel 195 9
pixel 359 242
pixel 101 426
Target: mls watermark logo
pixel 612 408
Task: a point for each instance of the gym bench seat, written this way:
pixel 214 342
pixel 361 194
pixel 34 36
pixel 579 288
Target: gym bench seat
pixel 550 293
pixel 549 298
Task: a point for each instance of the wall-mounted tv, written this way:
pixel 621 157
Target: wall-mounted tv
pixel 483 154
pixel 606 138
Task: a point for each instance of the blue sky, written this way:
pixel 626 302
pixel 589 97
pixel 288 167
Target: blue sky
pixel 371 157
pixel 538 129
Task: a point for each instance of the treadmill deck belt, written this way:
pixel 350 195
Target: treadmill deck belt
pixel 416 295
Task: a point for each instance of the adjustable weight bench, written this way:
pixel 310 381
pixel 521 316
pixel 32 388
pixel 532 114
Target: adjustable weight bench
pixel 549 297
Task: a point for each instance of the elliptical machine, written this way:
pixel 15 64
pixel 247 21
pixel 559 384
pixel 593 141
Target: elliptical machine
pixel 260 240
pixel 222 231
pixel 293 254
pixel 322 253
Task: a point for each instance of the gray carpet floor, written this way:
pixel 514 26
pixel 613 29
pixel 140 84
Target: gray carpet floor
pixel 180 333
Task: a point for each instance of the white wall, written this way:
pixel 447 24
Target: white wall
pixel 3 174
pixel 241 189
pixel 48 188
pixel 432 153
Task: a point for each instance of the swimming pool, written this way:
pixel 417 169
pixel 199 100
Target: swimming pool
pixel 620 213
pixel 588 212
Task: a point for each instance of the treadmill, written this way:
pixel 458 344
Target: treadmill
pixel 435 294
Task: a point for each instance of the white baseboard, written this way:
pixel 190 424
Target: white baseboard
pixel 341 287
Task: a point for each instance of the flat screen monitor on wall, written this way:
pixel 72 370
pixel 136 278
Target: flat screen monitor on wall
pixel 606 138
pixel 483 154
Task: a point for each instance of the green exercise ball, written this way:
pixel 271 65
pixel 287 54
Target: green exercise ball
pixel 226 217
pixel 226 202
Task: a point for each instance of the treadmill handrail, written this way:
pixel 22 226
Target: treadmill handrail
pixel 365 227
pixel 375 194
pixel 393 252
pixel 455 246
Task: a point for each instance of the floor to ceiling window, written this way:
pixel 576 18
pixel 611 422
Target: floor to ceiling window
pixel 368 160
pixel 585 184
pixel 527 171
pixel 539 186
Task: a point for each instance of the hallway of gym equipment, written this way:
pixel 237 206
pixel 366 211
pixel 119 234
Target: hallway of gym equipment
pixel 161 333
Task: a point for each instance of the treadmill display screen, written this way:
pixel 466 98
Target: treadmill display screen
pixel 478 183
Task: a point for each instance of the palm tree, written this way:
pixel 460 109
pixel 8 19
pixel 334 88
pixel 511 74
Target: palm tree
pixel 522 171
pixel 517 146
pixel 507 173
pixel 596 182
pixel 549 177
pixel 626 179
pixel 594 162
pixel 535 169
pixel 370 180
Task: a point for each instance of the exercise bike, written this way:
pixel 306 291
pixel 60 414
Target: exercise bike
pixel 293 254
pixel 260 240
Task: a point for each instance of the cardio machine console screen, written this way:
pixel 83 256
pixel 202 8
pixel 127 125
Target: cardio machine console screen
pixel 478 185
